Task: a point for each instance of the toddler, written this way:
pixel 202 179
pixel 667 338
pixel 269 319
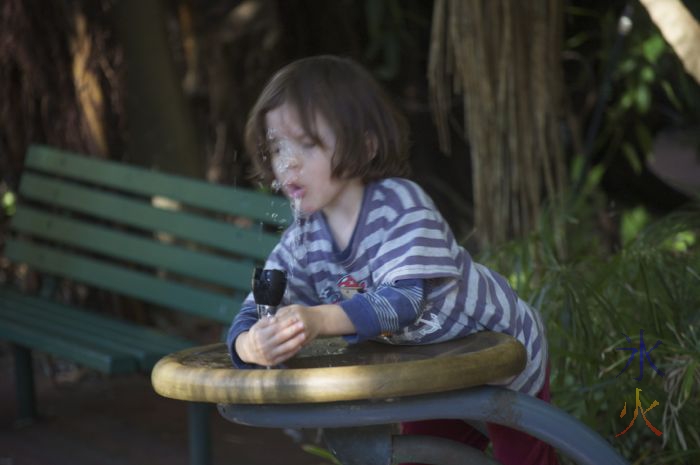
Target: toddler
pixel 370 256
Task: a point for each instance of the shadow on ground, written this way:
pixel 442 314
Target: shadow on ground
pixel 90 419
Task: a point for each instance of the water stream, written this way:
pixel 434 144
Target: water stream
pixel 288 170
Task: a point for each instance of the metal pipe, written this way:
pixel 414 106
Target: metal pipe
pixel 487 403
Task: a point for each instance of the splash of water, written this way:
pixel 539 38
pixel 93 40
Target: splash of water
pixel 300 221
pixel 285 152
pixel 296 208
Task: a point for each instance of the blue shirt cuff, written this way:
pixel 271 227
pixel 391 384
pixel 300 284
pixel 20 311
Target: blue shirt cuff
pixel 363 318
pixel 240 325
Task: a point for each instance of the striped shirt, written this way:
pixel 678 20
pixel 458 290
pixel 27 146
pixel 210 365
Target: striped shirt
pixel 399 236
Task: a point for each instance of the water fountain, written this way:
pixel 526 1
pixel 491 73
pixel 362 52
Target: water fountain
pixel 268 289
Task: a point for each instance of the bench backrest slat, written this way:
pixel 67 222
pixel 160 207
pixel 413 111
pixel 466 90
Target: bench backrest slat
pixel 110 340
pixel 108 363
pixel 34 309
pixel 182 243
pixel 139 249
pixel 129 178
pixel 179 296
pixel 140 214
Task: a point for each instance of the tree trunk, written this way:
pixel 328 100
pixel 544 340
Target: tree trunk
pixel 504 58
pixel 161 130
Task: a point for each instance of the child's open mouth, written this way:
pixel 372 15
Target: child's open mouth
pixel 294 191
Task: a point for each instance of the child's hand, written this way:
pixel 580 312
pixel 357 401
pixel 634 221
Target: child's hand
pixel 311 323
pixel 271 341
pixel 318 321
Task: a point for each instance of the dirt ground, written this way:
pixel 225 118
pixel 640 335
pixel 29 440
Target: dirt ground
pixel 90 419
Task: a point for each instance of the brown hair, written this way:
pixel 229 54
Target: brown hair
pixel 354 106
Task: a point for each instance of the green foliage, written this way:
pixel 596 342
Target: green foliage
pixel 591 297
pixel 9 203
pixel 638 76
pixel 632 223
pixel 391 30
pixel 649 88
pixel 318 451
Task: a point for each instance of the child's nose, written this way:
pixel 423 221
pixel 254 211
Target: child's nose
pixel 286 162
pixel 294 160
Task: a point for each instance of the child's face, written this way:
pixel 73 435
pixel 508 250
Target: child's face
pixel 303 168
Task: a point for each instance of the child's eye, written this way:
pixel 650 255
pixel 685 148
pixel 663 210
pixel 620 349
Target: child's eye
pixel 307 144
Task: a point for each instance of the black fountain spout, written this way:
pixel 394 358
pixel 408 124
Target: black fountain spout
pixel 268 289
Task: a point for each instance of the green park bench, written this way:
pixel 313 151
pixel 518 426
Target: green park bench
pixel 165 240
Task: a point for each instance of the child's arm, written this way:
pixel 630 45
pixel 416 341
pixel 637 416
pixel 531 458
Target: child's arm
pixel 319 320
pixel 386 310
pixel 271 341
pixel 366 315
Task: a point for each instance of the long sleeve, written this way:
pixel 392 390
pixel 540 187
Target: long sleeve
pixel 387 309
pixel 245 319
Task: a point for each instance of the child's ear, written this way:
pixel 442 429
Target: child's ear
pixel 372 145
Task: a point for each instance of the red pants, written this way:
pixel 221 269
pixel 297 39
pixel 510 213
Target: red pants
pixel 510 447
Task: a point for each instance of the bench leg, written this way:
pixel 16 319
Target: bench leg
pixel 200 432
pixel 24 385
